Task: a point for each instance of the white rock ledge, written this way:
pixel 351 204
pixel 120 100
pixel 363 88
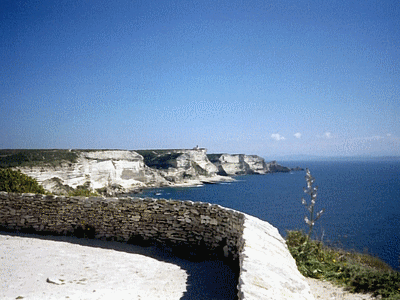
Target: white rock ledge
pixel 267 269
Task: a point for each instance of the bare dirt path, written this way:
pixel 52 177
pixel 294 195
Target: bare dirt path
pixel 323 290
pixel 48 267
pixel 38 267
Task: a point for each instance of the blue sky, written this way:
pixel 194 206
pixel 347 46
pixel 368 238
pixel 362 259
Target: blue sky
pixel 264 77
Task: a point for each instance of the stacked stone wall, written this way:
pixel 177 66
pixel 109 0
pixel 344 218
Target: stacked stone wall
pixel 267 270
pixel 184 223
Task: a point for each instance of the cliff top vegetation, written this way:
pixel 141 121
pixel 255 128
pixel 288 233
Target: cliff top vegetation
pixel 360 273
pixel 159 159
pixel 10 158
pixel 16 182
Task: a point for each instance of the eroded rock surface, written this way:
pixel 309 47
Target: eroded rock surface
pixel 241 164
pixel 267 269
pixel 118 171
pixel 123 169
pixel 112 172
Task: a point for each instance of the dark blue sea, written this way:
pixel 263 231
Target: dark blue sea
pixel 361 201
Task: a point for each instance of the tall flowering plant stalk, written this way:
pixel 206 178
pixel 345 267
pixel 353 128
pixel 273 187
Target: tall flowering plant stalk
pixel 312 192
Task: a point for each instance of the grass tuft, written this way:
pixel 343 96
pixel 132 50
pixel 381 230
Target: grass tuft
pixel 359 273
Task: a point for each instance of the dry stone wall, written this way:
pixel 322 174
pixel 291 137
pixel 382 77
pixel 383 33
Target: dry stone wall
pixel 267 270
pixel 183 223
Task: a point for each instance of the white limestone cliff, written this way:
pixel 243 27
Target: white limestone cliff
pixel 240 164
pixel 186 167
pixel 99 168
pixel 122 171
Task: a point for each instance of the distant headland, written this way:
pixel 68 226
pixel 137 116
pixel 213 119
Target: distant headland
pixel 111 172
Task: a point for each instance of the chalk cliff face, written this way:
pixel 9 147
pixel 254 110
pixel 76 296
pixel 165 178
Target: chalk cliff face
pixel 191 162
pixel 123 171
pixel 180 167
pixel 241 164
pixel 119 171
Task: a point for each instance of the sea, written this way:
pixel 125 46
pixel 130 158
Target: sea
pixel 361 202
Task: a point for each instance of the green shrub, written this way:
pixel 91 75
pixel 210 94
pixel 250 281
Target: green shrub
pixel 82 193
pixel 360 273
pixel 83 190
pixel 17 182
pixel 36 157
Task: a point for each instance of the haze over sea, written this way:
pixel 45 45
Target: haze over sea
pixel 361 201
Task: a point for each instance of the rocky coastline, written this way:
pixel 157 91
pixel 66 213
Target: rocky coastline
pixel 112 172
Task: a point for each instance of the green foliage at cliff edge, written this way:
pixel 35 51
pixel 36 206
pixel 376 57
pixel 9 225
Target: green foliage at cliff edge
pixel 357 272
pixel 10 158
pixel 16 182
